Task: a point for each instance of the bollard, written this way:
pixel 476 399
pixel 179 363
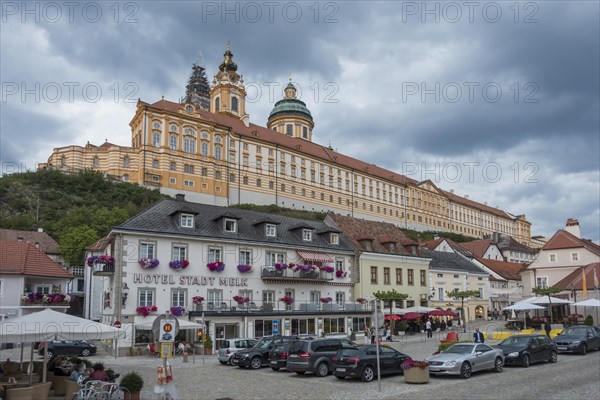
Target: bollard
pixel 185 356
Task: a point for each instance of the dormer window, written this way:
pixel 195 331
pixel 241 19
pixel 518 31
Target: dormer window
pixel 189 109
pixel 271 230
pixel 187 221
pixel 334 238
pixel 307 235
pixel 231 225
pixel 392 247
pixel 368 245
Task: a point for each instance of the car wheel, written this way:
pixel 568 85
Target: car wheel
pixel 368 374
pixel 256 363
pixel 465 370
pixel 230 361
pixel 223 362
pixel 275 368
pixel 322 369
pixel 86 352
pixel 583 350
pixel 50 354
pixel 498 365
pixel 526 361
pixel 553 357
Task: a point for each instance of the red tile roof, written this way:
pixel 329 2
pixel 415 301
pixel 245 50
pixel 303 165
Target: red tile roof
pixel 315 150
pixel 21 258
pixel 477 247
pixel 359 229
pixel 46 243
pixel 566 240
pixel 574 281
pixel 507 270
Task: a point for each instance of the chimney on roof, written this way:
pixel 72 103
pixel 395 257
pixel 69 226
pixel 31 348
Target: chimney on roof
pixel 451 190
pixel 495 237
pixel 436 237
pixel 180 197
pixel 573 227
pixel 466 196
pixel 40 230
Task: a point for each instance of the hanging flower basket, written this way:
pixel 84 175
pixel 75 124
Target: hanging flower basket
pixel 241 299
pixel 361 300
pixel 103 259
pixel 146 310
pixel 325 300
pixel 281 266
pixel 287 300
pixel 218 266
pixel 179 264
pixel 177 311
pixel 197 299
pixel 304 267
pixel 91 260
pixel 243 268
pixel 340 273
pixel 41 298
pixel 148 263
pixel 327 268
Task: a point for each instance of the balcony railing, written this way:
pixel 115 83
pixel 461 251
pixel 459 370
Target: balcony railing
pixel 103 269
pixel 234 307
pixel 317 275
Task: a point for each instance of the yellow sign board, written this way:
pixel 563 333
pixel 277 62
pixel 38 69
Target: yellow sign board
pixel 166 350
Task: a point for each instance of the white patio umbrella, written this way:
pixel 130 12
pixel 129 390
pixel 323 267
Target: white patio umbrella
pixel 523 306
pixel 183 324
pixel 588 303
pixel 547 300
pixel 417 309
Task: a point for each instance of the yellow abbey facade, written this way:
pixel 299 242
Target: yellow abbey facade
pixel 206 147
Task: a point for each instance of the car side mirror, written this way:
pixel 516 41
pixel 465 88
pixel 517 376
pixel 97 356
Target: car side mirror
pixel 478 353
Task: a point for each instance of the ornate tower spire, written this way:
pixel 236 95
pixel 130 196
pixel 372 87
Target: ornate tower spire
pixel 228 94
pixel 197 90
pixel 290 116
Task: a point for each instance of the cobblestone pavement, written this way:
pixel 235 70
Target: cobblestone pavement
pixel 573 377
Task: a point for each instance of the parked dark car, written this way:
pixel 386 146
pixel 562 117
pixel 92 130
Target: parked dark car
pixel 361 362
pixel 68 348
pixel 578 338
pixel 279 354
pixel 527 349
pixel 315 355
pixel 258 355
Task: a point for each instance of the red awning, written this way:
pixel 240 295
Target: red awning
pixel 314 256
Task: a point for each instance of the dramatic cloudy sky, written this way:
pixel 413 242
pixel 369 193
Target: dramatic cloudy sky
pixel 497 100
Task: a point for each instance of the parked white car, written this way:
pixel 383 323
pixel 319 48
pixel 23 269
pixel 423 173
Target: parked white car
pixel 228 347
pixel 465 358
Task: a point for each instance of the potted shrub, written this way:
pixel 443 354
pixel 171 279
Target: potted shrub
pixel 132 384
pixel 415 371
pixel 208 344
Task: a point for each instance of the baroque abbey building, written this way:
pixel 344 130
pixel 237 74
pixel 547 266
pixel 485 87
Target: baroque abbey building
pixel 206 147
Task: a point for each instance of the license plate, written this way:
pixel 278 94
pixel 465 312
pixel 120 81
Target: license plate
pixel 293 356
pixel 273 362
pixel 434 369
pixel 340 369
pixel 561 348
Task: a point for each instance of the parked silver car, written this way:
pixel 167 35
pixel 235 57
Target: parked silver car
pixel 465 358
pixel 231 346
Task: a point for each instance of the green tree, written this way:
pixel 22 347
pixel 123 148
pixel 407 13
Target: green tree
pixel 547 291
pixel 462 295
pixel 73 242
pixel 391 296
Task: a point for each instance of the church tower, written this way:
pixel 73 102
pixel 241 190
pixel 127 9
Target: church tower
pixel 290 116
pixel 228 94
pixel 197 90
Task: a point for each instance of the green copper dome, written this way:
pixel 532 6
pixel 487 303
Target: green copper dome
pixel 290 107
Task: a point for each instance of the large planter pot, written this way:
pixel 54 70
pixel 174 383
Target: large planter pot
pixel 416 375
pixel 132 396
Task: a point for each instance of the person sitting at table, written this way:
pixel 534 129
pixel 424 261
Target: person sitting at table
pixel 78 371
pixel 57 365
pixel 99 374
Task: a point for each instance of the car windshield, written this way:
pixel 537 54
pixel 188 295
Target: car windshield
pixel 347 352
pixel 263 343
pixel 515 341
pixel 575 330
pixel 459 349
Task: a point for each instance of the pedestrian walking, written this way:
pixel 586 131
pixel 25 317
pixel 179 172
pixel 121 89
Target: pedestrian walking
pixel 367 333
pixel 478 336
pixel 428 328
pixel 547 328
pixel 373 334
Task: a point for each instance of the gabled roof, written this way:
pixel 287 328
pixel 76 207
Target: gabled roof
pixel 22 258
pixel 46 243
pixel 507 242
pixel 358 230
pixel 444 261
pixel 433 244
pixel 574 281
pixel 477 247
pixel 508 270
pixel 257 132
pixel 566 240
pixel 100 244
pixel 158 219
